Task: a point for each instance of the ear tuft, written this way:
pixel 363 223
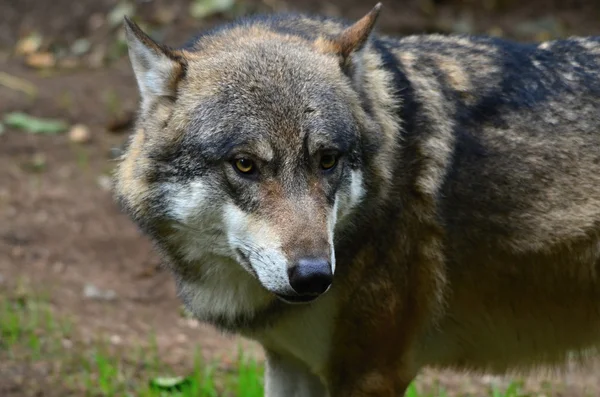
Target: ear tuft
pixel 157 68
pixel 353 38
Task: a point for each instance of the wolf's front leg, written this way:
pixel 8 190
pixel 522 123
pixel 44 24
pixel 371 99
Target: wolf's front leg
pixel 287 378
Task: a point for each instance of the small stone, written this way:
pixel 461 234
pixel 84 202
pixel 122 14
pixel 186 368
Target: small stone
pixel 90 291
pixel 116 339
pixel 81 46
pixel 491 380
pixel 192 323
pixel 105 182
pixel 79 133
pixel 40 60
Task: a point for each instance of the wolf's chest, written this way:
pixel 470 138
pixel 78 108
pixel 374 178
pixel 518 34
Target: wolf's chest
pixel 304 335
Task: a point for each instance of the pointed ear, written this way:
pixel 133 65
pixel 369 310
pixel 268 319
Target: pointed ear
pixel 353 38
pixel 157 68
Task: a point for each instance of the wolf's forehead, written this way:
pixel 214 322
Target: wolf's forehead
pixel 274 93
pixel 264 64
pixel 267 127
pixel 260 97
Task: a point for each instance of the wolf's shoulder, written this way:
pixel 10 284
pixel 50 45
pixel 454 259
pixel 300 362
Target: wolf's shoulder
pixel 573 55
pixel 486 73
pixel 460 43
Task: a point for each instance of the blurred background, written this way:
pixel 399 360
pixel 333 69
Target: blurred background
pixel 85 308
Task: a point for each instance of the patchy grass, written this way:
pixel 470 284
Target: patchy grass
pixel 107 375
pixel 513 390
pixel 31 335
pixel 28 327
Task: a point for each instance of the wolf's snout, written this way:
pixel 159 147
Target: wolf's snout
pixel 310 276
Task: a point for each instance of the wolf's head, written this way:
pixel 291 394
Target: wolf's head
pixel 248 150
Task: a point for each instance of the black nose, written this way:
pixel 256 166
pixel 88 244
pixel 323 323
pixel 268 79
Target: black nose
pixel 310 276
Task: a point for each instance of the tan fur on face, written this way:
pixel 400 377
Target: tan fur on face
pixel 303 229
pixel 129 184
pixel 131 174
pixel 301 221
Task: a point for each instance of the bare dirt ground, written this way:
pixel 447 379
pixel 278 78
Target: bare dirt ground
pixel 59 228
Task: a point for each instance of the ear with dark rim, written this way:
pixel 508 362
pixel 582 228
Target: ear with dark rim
pixel 352 39
pixel 157 68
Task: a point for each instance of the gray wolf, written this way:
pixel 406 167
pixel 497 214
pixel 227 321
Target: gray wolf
pixel 365 206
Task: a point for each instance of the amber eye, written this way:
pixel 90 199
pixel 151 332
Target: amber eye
pixel 245 166
pixel 328 161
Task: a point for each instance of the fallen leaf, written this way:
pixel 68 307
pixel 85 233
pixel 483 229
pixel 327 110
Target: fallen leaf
pixel 29 44
pixel 18 84
pixel 34 125
pixel 205 8
pixel 40 60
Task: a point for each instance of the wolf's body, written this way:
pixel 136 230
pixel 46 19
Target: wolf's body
pixel 460 222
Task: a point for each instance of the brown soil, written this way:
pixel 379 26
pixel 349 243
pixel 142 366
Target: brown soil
pixel 59 228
